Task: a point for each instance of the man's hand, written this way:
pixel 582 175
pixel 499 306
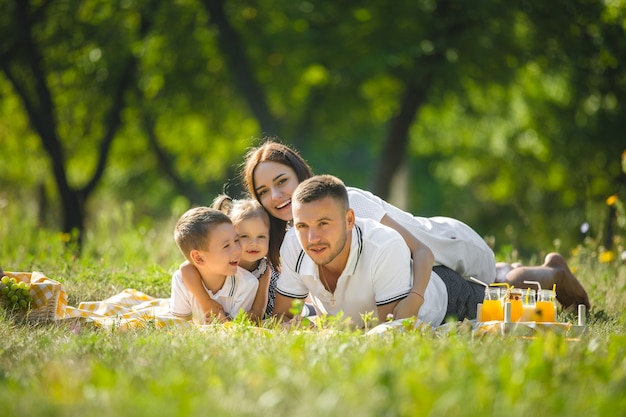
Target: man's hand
pixel 408 307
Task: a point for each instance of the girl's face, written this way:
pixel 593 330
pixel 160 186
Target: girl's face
pixel 254 237
pixel 274 184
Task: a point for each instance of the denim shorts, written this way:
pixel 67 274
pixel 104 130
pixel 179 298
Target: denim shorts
pixel 463 295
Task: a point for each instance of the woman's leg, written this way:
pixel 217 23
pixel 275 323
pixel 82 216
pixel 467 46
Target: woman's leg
pixel 503 268
pixel 569 291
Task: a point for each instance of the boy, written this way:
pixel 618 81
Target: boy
pixel 208 240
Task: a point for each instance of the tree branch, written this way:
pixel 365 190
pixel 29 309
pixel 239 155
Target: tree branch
pixel 113 119
pixel 167 164
pixel 113 122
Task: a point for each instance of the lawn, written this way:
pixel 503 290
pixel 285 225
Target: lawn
pixel 76 369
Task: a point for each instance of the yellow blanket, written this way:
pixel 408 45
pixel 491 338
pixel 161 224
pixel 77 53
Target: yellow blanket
pixel 128 309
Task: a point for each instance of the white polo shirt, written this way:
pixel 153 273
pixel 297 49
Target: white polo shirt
pixel 378 272
pixel 453 243
pixel 236 294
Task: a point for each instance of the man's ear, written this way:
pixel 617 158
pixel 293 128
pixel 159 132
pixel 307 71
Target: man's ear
pixel 196 257
pixel 350 218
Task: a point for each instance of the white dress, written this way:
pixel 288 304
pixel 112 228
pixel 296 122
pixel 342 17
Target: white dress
pixel 453 243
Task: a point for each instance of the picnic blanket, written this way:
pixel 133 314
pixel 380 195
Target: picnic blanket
pixel 128 309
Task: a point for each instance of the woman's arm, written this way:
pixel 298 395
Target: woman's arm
pixel 423 260
pixel 257 311
pixel 193 281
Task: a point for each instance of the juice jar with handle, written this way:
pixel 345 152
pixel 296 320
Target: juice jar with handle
pixel 515 298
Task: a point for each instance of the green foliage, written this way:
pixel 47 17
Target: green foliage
pixel 518 131
pixel 73 370
pixel 518 134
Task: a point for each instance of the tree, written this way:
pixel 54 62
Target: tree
pixel 25 66
pixel 466 97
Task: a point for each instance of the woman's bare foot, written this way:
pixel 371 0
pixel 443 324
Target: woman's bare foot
pixel 569 291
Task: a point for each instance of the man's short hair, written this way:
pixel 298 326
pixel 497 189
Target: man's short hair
pixel 319 187
pixel 193 229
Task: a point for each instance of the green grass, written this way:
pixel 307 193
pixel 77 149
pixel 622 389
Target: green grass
pixel 74 369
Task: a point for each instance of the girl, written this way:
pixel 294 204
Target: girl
pixel 252 225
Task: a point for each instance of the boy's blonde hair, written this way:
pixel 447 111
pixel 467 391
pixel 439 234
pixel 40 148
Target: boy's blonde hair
pixel 193 229
pixel 240 210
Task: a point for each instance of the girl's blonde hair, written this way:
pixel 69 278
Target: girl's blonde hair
pixel 240 210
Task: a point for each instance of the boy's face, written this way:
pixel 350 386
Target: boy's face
pixel 223 252
pixel 254 237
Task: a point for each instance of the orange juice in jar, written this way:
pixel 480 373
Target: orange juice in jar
pixel 492 308
pixel 515 297
pixel 546 306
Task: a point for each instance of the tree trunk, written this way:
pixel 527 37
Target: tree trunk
pixel 41 112
pixel 27 75
pixel 232 48
pixel 397 140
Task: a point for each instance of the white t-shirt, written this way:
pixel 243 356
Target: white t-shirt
pixel 453 243
pixel 236 294
pixel 378 272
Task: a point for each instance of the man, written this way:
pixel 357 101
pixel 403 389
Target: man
pixel 355 265
pixel 360 266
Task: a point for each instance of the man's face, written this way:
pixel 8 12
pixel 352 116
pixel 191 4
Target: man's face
pixel 323 229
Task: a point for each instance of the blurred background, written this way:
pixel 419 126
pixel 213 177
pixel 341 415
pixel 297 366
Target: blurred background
pixel 509 115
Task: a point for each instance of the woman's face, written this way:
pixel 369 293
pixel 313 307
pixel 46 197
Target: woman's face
pixel 274 184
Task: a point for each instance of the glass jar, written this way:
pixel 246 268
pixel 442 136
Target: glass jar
pixel 546 306
pixel 493 307
pixel 529 305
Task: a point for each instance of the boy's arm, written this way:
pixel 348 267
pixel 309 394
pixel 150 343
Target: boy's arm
pixel 193 281
pixel 257 311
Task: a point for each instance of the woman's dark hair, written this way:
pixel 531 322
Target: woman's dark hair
pixel 273 151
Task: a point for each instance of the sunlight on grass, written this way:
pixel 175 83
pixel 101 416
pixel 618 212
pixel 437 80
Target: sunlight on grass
pixel 75 369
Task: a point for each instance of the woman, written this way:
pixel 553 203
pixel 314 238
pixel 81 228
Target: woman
pixel 272 171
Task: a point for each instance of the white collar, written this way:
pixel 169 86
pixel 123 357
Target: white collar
pixel 306 266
